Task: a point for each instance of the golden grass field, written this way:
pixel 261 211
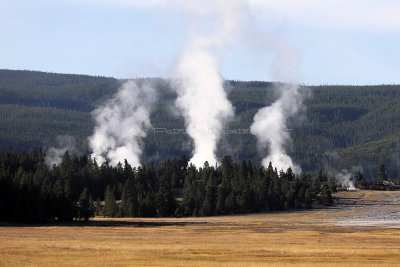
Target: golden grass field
pixel 362 229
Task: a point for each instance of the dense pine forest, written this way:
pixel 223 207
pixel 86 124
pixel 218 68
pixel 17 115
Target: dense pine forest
pixel 340 126
pixel 78 188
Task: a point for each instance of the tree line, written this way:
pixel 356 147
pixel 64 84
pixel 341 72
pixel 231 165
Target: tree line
pixel 359 124
pixel 78 188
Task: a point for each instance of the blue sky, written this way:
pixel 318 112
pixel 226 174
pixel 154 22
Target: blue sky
pixel 335 41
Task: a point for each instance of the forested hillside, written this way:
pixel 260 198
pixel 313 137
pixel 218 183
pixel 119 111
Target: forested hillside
pixel 340 127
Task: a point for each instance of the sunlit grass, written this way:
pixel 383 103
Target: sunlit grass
pixel 302 238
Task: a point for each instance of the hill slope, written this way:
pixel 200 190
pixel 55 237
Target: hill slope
pixel 341 127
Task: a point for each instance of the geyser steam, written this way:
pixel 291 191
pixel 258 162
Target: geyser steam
pixel 203 101
pixel 55 155
pixel 344 177
pixel 270 127
pixel 270 123
pixel 201 95
pixel 121 124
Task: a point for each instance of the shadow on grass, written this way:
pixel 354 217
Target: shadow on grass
pixel 102 223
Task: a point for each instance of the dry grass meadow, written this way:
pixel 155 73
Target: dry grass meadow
pixel 362 229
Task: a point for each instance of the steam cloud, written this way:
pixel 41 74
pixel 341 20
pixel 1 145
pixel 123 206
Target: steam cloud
pixel 55 154
pixel 200 92
pixel 201 95
pixel 204 103
pixel 270 127
pixel 270 123
pixel 121 124
pixel 344 177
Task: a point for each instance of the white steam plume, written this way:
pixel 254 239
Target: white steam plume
pixel 270 128
pixel 344 177
pixel 204 103
pixel 55 154
pixel 201 95
pixel 121 124
pixel 270 123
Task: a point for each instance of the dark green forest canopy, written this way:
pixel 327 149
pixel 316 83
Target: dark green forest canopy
pixel 340 126
pixel 30 192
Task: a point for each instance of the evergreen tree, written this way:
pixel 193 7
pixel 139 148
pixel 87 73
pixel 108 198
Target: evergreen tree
pixel 382 176
pixel 165 200
pixel 308 198
pixel 222 194
pixel 209 203
pixel 230 203
pixel 182 166
pixel 244 200
pixel 326 197
pixel 360 180
pixel 332 185
pixel 128 199
pixel 97 208
pixel 110 205
pixel 189 201
pixel 85 205
pixel 289 174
